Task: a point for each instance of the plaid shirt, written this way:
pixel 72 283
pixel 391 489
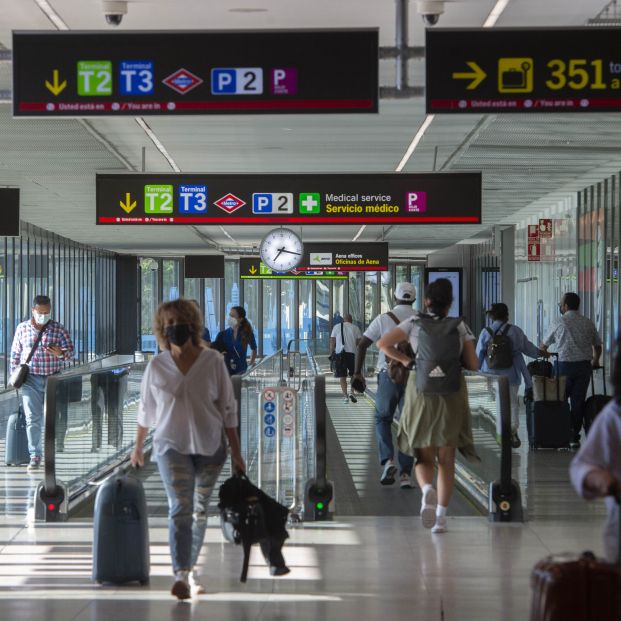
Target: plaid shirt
pixel 42 363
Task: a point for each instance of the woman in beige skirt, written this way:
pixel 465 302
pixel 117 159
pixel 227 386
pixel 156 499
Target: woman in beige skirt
pixel 436 416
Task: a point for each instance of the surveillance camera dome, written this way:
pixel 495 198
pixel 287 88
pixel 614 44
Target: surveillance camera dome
pixel 114 19
pixel 430 19
pixel 430 11
pixel 114 10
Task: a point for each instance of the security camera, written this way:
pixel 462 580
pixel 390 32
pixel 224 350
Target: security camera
pixel 114 11
pixel 430 11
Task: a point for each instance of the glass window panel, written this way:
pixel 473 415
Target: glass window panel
pixel 306 311
pixel 212 306
pixel 231 284
pixel 356 298
pixel 287 311
pixel 251 304
pixel 370 297
pixel 270 310
pixel 417 274
pixel 192 289
pixel 386 289
pixel 170 279
pixel 149 302
pixel 322 315
pixel 339 291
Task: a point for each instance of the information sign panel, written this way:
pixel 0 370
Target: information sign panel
pixel 384 198
pixel 538 70
pixel 345 256
pixel 194 72
pixel 254 268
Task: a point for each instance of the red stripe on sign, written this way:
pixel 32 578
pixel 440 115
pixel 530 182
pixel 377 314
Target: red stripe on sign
pixel 294 220
pixel 273 104
pixel 137 107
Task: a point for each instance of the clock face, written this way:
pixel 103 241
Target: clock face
pixel 281 250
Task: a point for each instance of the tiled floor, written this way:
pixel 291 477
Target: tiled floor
pixel 359 568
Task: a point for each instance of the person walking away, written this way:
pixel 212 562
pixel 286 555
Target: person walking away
pixel 388 396
pixel 187 396
pixel 596 468
pixel 579 349
pixel 343 343
pixel 436 416
pixel 233 342
pixel 500 349
pixel 54 348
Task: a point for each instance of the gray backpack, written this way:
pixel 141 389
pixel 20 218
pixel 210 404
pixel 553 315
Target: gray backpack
pixel 438 364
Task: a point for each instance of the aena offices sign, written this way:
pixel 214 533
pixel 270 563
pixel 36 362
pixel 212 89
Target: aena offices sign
pixel 523 70
pixel 388 198
pixel 194 72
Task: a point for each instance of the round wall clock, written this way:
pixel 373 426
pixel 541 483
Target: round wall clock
pixel 281 250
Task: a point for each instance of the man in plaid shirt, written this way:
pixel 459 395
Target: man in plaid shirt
pixel 53 350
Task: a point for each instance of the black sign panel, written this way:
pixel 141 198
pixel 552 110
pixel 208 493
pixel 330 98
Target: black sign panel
pixel 345 256
pixel 204 266
pixel 523 70
pixel 9 212
pixel 170 73
pixel 424 198
pixel 254 268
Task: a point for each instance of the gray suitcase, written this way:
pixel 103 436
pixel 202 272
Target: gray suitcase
pixel 121 532
pixel 16 445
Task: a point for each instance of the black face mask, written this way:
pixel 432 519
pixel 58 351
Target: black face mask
pixel 178 333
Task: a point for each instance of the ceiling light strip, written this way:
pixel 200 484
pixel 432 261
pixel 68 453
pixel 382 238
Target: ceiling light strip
pixel 106 143
pixel 51 14
pixel 360 232
pixel 417 138
pixel 226 233
pixel 159 146
pixel 495 13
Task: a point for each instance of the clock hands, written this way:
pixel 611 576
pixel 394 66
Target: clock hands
pixel 289 251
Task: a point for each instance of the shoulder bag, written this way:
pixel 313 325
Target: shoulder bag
pixel 397 373
pixel 20 373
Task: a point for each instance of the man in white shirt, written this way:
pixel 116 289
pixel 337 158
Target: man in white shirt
pixel 388 395
pixel 343 342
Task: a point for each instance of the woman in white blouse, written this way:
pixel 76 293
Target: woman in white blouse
pixel 436 416
pixel 187 396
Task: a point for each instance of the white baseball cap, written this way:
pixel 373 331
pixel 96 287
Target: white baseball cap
pixel 405 291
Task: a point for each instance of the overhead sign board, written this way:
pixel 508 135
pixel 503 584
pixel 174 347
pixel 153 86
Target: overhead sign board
pixel 523 70
pixel 194 72
pixel 9 208
pixel 254 268
pixel 388 198
pixel 345 256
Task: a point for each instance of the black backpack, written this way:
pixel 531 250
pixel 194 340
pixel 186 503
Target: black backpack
pixel 499 354
pixel 248 515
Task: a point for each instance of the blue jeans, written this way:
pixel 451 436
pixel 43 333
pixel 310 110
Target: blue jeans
pixel 388 397
pixel 189 481
pixel 578 376
pixel 33 398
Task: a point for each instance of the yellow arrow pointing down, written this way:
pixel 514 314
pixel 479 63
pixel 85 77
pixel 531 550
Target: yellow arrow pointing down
pixel 56 87
pixel 477 76
pixel 253 269
pixel 127 206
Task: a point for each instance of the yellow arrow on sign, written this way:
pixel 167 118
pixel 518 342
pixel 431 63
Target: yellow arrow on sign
pixel 127 206
pixel 253 269
pixel 56 87
pixel 477 76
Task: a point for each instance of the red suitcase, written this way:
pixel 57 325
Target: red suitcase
pixel 572 587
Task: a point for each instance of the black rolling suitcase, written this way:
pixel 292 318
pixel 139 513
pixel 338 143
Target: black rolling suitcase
pixel 595 403
pixel 550 423
pixel 121 532
pixel 543 368
pixel 16 445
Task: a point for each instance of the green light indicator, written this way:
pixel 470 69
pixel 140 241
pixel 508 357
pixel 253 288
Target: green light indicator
pixel 320 505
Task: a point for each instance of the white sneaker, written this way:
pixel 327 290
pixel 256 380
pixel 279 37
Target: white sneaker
pixel 405 481
pixel 196 586
pixel 439 526
pixel 428 508
pixel 346 400
pixel 388 474
pixel 181 587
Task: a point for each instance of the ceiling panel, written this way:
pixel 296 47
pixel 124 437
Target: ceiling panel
pixel 527 160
